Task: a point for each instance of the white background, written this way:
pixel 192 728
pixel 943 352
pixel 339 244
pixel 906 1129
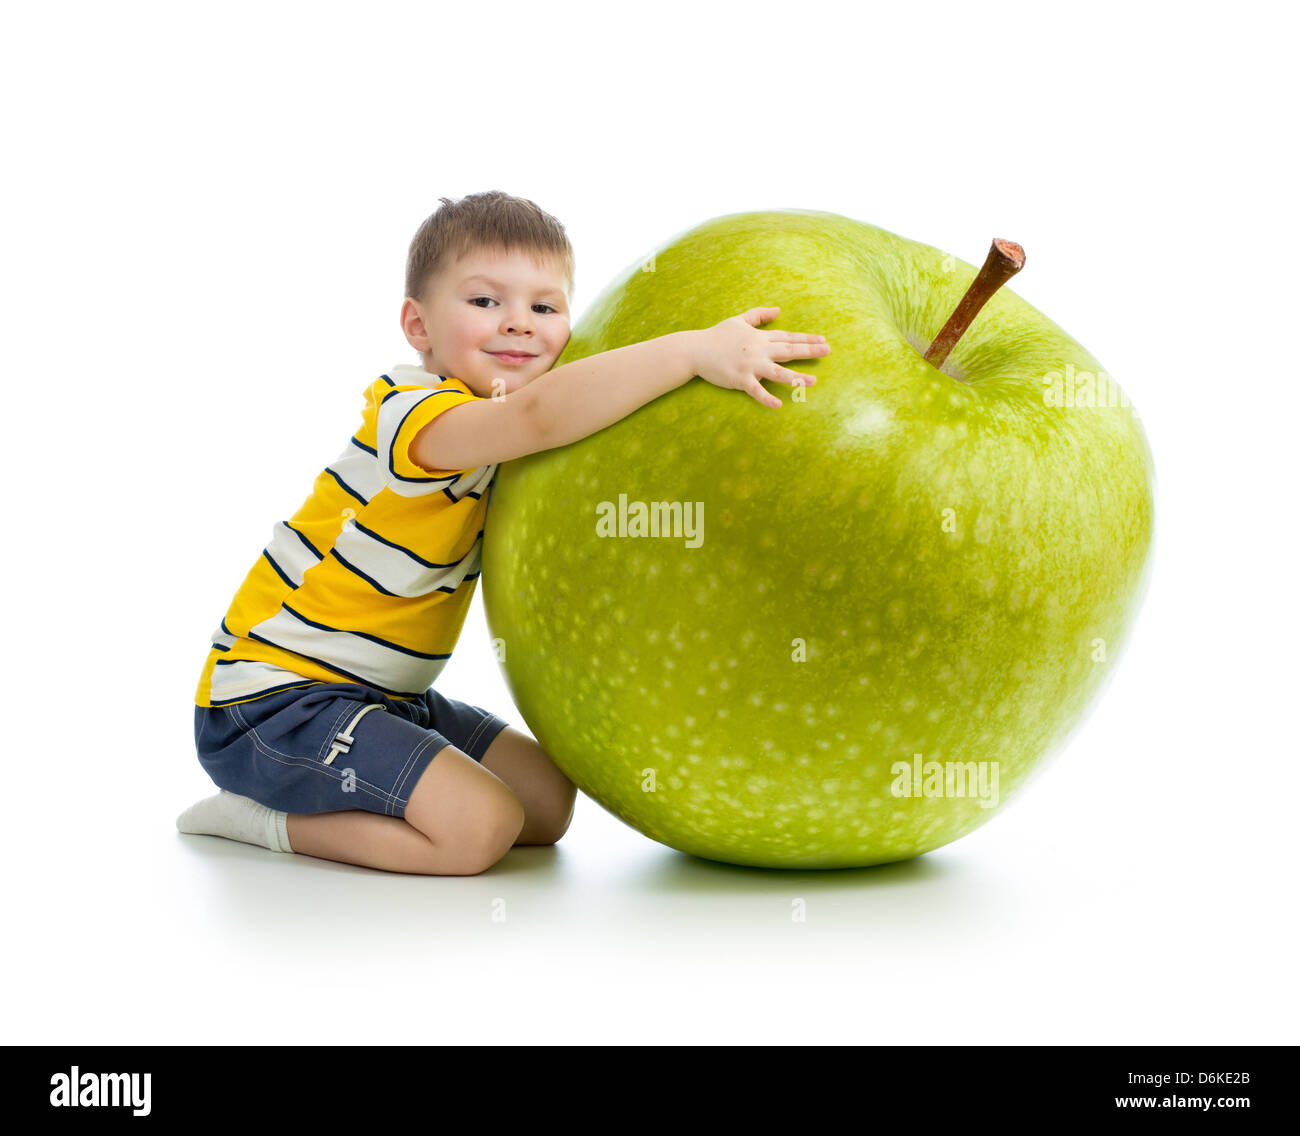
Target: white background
pixel 206 217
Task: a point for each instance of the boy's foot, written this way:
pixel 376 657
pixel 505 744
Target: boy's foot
pixel 237 818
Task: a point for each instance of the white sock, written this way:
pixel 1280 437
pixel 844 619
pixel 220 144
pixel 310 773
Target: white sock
pixel 237 818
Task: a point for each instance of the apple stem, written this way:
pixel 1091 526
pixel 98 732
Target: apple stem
pixel 1005 259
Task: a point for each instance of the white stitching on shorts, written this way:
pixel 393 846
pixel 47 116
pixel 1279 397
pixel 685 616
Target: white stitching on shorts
pixel 484 722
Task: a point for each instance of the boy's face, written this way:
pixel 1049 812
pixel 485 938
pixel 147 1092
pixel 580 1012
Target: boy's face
pixel 487 303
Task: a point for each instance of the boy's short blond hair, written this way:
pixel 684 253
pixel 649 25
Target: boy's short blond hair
pixel 488 220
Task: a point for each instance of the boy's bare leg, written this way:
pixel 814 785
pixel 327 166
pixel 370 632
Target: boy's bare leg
pixel 547 795
pixel 358 837
pixel 460 820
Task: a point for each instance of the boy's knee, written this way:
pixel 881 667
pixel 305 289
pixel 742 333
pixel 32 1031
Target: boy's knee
pixel 567 801
pixel 495 835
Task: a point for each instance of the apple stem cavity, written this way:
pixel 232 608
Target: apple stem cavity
pixel 1005 259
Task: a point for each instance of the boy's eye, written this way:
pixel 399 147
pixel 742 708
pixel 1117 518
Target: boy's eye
pixel 489 299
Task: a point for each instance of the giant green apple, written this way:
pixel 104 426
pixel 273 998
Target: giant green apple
pixel 908 586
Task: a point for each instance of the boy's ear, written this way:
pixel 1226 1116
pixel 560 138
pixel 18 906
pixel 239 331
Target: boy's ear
pixel 417 335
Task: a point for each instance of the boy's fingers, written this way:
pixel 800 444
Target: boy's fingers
pixel 783 351
pixel 779 374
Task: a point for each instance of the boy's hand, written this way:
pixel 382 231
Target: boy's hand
pixel 734 354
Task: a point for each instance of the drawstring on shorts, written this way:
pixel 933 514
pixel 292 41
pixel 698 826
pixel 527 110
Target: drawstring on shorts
pixel 343 739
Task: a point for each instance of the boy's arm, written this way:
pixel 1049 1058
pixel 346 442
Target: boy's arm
pixel 558 407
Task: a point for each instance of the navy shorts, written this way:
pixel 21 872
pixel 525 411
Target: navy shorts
pixel 332 746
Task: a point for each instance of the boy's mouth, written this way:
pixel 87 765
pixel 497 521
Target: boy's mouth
pixel 512 356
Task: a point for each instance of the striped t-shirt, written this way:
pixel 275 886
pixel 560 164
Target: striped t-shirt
pixel 371 579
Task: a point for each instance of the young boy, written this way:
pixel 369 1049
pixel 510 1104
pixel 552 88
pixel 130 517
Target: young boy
pixel 315 712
